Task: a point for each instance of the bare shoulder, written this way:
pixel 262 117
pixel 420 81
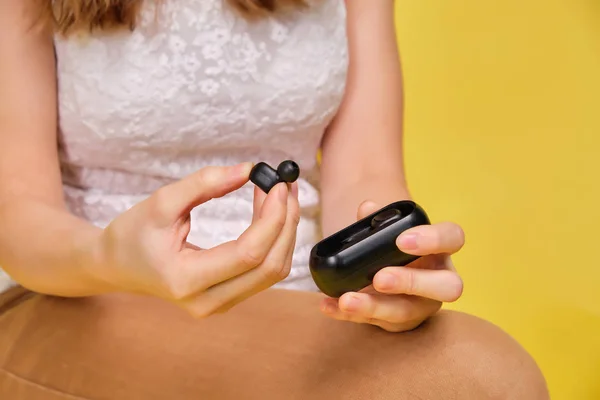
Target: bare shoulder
pixel 19 18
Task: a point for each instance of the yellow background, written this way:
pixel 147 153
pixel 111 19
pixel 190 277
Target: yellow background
pixel 503 136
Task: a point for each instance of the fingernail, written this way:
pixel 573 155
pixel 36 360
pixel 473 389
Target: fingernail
pixel 328 307
pixel 351 303
pixel 385 281
pixel 295 190
pixel 408 241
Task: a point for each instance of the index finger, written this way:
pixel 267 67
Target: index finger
pixel 176 199
pixel 440 238
pixel 206 268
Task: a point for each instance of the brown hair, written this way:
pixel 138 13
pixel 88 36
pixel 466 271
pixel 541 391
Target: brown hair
pixel 70 16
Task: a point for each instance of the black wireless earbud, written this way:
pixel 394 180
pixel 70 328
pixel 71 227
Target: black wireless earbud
pixel 265 177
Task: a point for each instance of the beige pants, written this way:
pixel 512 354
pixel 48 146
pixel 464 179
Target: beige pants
pixel 276 345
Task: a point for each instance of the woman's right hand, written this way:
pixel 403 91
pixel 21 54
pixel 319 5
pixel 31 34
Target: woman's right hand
pixel 145 250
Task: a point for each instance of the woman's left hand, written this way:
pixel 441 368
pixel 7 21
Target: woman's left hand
pixel 401 298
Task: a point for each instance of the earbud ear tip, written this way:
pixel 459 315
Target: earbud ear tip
pixel 288 171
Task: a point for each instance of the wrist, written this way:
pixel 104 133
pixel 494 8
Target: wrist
pixel 48 250
pixel 91 261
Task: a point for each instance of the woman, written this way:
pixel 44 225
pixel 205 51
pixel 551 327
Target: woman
pixel 142 217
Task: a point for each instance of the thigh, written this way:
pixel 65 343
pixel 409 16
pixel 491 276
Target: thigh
pixel 276 345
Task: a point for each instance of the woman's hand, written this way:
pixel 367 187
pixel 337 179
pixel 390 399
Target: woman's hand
pixel 401 298
pixel 145 251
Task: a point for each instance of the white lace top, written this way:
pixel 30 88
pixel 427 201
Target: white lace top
pixel 197 85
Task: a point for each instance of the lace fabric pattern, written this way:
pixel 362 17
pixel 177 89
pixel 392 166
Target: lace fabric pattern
pixel 195 85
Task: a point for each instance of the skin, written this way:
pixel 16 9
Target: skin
pixel 48 250
pixel 363 153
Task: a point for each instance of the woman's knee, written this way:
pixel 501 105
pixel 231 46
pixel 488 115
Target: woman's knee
pixel 307 355
pixel 458 356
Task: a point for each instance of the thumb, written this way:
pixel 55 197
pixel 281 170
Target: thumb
pixel 366 208
pixel 172 201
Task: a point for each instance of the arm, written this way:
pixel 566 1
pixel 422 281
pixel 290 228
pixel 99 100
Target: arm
pixel 143 250
pixel 362 148
pixel 362 160
pixel 41 245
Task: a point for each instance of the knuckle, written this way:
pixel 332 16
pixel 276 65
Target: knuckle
pixel 436 239
pixel 203 176
pixel 176 288
pixel 249 257
pixel 408 281
pixel 373 311
pixel 208 176
pixel 275 272
pixel 284 271
pixel 176 292
pixel 160 201
pixel 279 222
pixel 295 216
pixel 401 315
